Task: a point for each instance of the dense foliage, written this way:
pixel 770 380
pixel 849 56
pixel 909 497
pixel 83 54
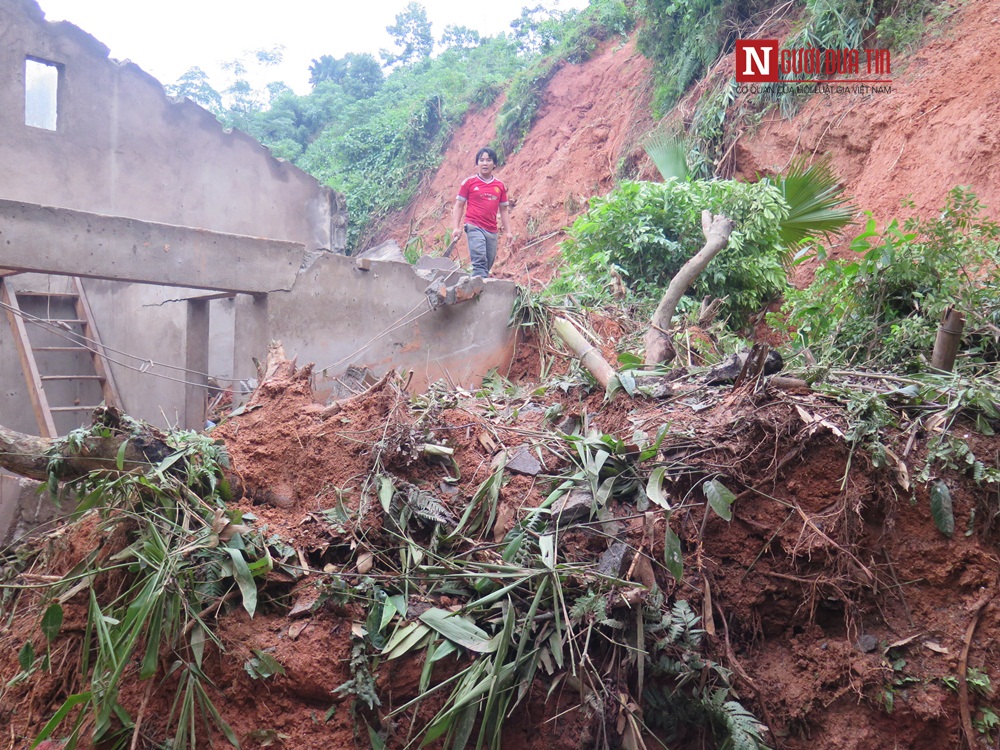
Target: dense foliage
pixel 645 231
pixel 883 306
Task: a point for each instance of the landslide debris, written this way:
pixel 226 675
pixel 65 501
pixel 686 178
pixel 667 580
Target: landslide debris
pixel 536 565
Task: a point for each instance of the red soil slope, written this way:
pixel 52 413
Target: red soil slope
pixel 591 118
pixel 936 129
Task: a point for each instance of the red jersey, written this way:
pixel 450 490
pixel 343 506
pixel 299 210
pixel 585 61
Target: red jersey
pixel 483 201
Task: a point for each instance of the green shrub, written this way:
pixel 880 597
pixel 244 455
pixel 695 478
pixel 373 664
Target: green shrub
pixel 883 306
pixel 645 231
pixel 684 37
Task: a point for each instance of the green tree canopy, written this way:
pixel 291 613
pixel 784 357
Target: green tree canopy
pixel 459 37
pixel 194 85
pixel 412 34
pixel 360 75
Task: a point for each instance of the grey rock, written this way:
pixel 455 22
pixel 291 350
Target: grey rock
pixel 867 643
pixel 388 250
pixel 573 506
pixel 612 562
pixel 523 462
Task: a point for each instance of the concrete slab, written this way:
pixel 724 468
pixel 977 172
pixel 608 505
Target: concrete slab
pixel 46 239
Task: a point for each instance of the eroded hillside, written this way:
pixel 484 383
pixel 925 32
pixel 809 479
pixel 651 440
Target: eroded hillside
pixel 936 129
pixel 592 117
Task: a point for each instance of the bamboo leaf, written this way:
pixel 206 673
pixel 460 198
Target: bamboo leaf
pixel 627 380
pixel 149 660
pixel 604 492
pixel 463 726
pixel 377 742
pixel 445 649
pixel 26 656
pixel 942 510
pixel 244 579
pixel 654 487
pixel 404 639
pixel 68 705
pixel 459 630
pixel 52 621
pixel 673 558
pixel 720 499
pixel 217 717
pixel 120 458
pixel 385 492
pixel 198 644
pixel 547 550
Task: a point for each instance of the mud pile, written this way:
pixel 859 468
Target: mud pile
pixel 845 618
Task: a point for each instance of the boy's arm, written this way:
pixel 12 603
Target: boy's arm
pixel 456 215
pixel 505 218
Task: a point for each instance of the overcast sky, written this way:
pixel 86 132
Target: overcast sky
pixel 167 37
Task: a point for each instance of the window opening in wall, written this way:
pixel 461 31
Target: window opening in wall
pixel 41 88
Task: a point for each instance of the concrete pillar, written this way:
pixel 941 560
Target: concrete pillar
pixel 251 334
pixel 10 505
pixel 196 362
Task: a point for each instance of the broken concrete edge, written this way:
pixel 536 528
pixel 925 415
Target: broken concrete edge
pixel 24 506
pixel 440 293
pixel 446 277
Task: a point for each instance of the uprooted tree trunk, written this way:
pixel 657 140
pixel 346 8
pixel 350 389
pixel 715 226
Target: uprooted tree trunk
pixel 101 449
pixel 659 347
pixel 589 355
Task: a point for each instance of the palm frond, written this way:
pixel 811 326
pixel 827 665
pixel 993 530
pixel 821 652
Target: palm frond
pixel 669 154
pixel 816 202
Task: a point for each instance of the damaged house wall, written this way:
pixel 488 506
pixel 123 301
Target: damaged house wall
pixel 124 184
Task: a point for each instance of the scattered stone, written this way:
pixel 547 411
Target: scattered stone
pixel 867 643
pixel 448 489
pixel 568 424
pixel 612 562
pixel 573 506
pixel 729 370
pixel 387 251
pixel 303 605
pixel 524 462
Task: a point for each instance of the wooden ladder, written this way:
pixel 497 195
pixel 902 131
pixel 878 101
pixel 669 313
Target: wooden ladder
pixel 63 358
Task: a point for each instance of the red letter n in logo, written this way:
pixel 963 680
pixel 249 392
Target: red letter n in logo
pixel 756 60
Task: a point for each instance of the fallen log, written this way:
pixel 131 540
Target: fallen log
pixel 100 449
pixel 589 356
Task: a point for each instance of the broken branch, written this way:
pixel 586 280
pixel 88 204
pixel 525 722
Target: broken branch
pixel 717 229
pixel 589 356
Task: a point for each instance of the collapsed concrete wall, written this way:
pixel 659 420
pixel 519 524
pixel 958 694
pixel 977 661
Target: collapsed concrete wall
pixel 121 147
pixel 103 176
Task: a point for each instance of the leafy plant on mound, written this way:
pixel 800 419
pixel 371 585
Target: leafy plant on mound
pixel 645 231
pixel 524 608
pixel 171 556
pixel 882 307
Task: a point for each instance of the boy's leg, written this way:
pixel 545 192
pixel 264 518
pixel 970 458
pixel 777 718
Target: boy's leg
pixel 479 250
pixel 491 250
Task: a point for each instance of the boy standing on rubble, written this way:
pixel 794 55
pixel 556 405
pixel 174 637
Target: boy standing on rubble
pixel 482 198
